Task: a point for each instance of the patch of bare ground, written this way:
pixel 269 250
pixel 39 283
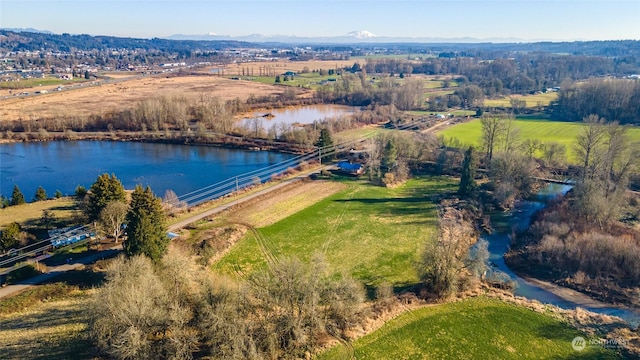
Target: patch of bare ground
pixel 50 330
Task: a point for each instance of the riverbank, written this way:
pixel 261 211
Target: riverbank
pixel 526 261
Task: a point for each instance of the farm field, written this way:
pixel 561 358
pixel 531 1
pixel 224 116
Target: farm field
pixel 30 213
pixel 531 100
pixel 370 232
pixel 86 99
pixel 31 83
pixel 546 131
pixel 99 99
pixel 308 80
pixel 475 328
pixel 280 67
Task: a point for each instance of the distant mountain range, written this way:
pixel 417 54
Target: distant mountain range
pixel 353 37
pixel 356 41
pixel 31 30
pixel 361 36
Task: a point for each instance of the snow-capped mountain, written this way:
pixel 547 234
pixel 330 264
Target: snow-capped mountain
pixel 362 34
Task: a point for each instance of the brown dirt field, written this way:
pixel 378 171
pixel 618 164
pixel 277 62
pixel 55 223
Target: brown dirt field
pixel 278 205
pixel 99 99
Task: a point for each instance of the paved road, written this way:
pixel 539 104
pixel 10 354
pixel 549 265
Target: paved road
pixel 60 269
pixel 53 272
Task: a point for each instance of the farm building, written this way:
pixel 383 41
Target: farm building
pixel 351 169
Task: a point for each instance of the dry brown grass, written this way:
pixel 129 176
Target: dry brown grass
pixel 92 99
pixel 31 212
pixel 278 205
pixel 88 100
pixel 50 330
pixel 284 66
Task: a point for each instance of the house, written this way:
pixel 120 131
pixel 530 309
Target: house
pixel 351 169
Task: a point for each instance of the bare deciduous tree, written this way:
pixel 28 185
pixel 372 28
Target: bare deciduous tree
pixel 446 257
pixel 112 217
pixel 492 128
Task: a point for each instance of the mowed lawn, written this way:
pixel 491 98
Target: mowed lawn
pixel 370 232
pixel 476 328
pixel 469 133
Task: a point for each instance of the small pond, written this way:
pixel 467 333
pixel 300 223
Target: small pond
pixel 299 115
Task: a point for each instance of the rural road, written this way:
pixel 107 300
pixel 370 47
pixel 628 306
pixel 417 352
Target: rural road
pixel 55 271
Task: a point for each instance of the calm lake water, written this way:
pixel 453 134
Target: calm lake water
pixel 61 165
pixel 299 115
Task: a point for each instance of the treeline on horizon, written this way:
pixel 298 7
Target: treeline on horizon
pixel 31 41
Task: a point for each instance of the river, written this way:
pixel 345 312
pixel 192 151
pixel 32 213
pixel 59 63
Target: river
pixel 63 165
pixel 520 218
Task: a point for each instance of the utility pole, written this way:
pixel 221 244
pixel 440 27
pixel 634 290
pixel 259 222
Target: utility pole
pixel 237 188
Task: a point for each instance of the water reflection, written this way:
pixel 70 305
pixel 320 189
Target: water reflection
pixel 284 118
pixel 64 165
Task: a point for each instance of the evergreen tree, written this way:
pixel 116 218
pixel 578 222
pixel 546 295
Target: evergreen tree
pixel 390 156
pixel 146 230
pixel 4 202
pixel 325 144
pixel 105 190
pixel 467 177
pixel 81 192
pixel 17 197
pixel 41 194
pixel 58 194
pixel 10 236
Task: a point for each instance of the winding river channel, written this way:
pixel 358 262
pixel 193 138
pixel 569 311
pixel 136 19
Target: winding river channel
pixel 499 242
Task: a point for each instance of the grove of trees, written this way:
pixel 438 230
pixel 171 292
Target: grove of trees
pixel 174 309
pixel 611 99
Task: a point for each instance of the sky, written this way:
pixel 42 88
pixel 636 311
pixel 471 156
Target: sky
pixel 527 20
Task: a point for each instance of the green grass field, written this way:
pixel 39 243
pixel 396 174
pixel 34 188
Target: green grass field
pixel 28 83
pixel 308 80
pixel 370 232
pixel 546 131
pixel 531 100
pixel 477 328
